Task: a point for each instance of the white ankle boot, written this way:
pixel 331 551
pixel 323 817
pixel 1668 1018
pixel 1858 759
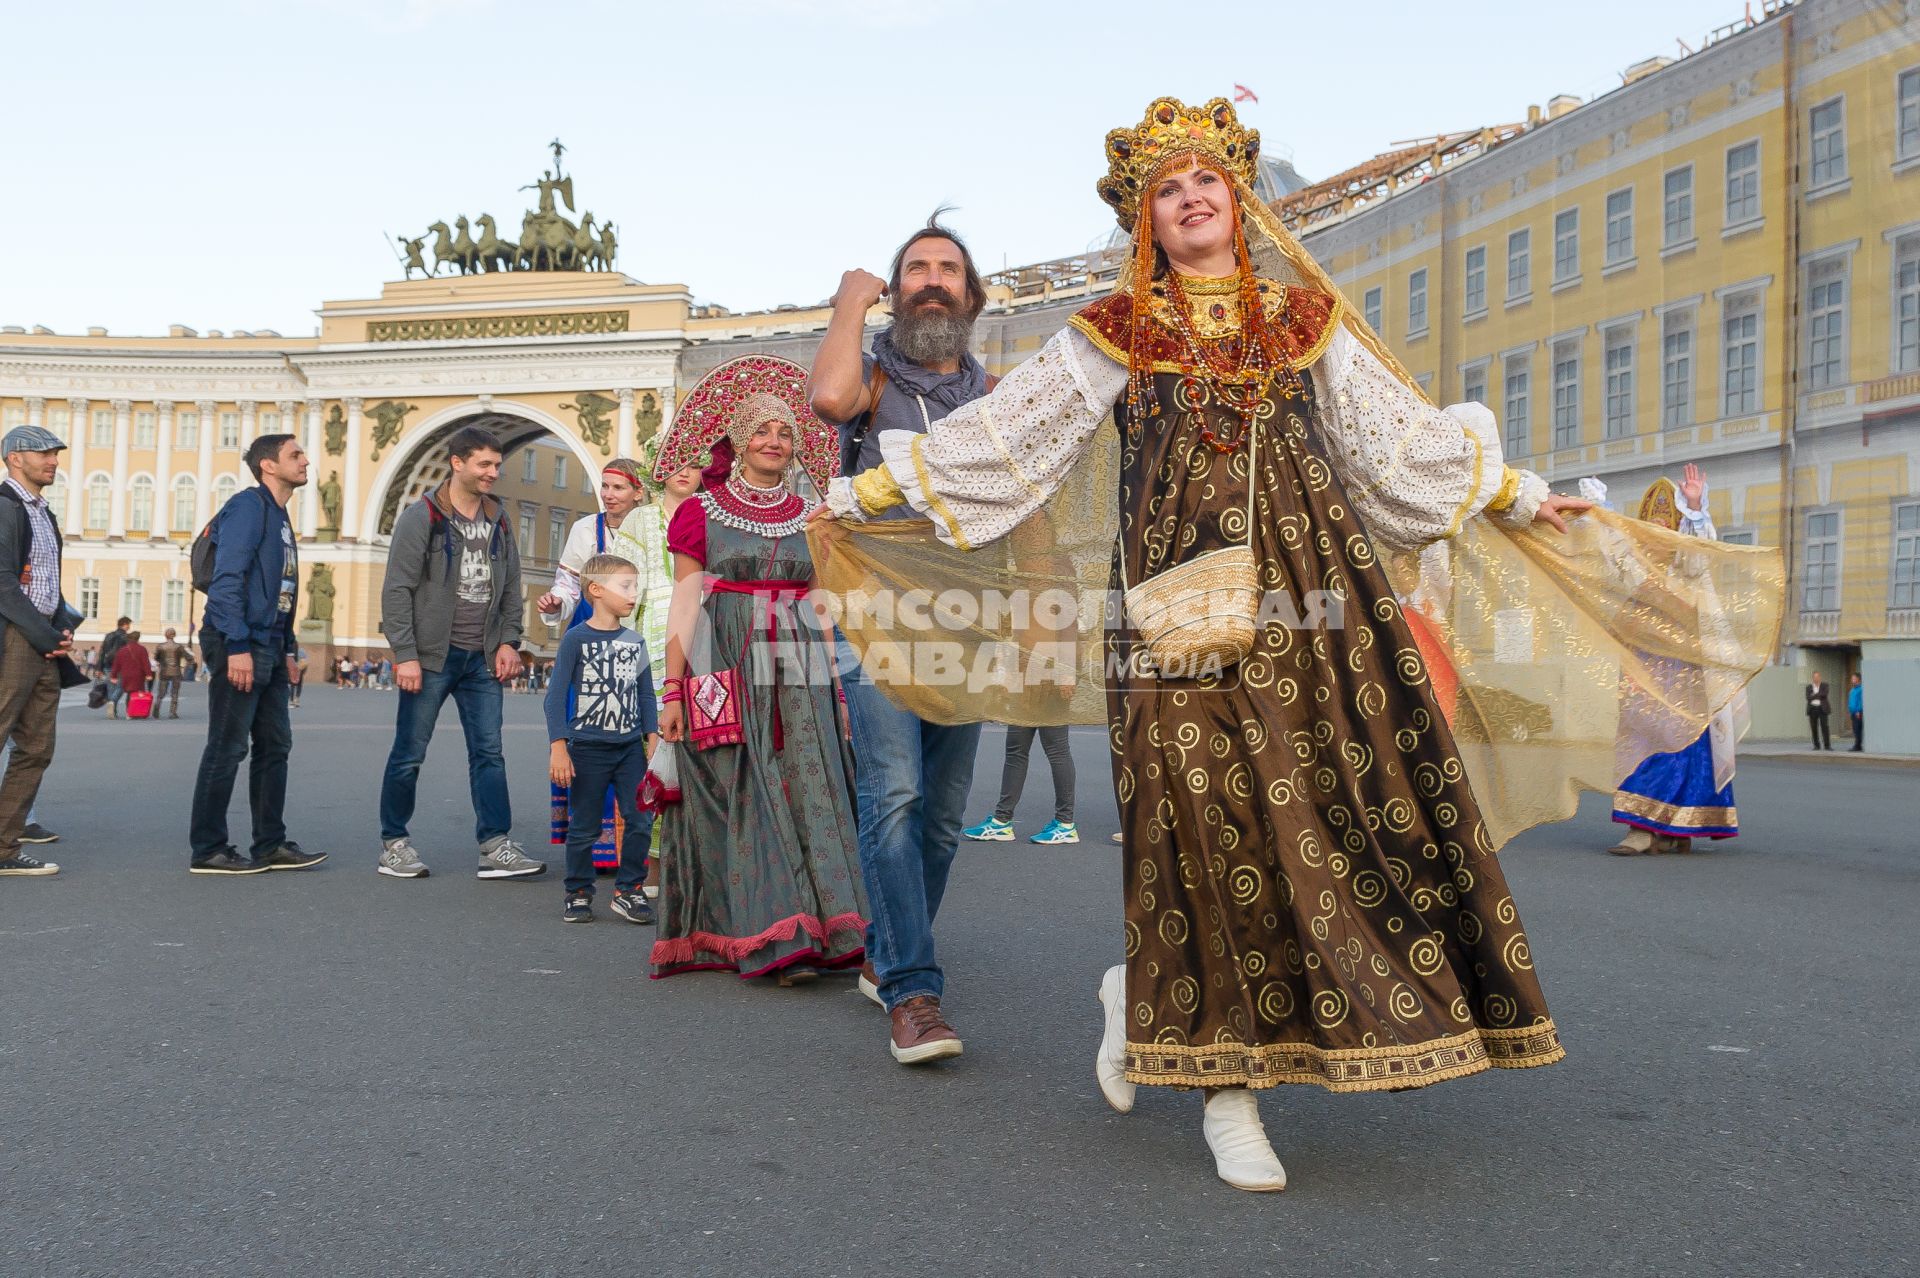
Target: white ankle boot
pixel 1241 1153
pixel 1110 1066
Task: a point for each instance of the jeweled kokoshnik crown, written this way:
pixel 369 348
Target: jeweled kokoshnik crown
pixel 1172 128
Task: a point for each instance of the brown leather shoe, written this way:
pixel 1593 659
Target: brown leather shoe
pixel 921 1033
pixel 869 985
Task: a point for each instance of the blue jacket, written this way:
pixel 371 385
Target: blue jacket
pixel 243 603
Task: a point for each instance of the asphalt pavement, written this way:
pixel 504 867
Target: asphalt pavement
pixel 334 1073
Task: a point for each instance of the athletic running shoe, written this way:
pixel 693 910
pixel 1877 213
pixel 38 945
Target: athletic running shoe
pixel 633 907
pixel 502 858
pixel 991 830
pixel 398 860
pixel 579 909
pixel 1058 832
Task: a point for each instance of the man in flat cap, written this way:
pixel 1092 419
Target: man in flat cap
pixel 36 633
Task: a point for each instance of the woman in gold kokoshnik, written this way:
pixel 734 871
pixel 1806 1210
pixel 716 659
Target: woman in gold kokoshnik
pixel 1311 890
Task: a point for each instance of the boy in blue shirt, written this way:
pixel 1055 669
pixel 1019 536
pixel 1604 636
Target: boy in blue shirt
pixel 602 720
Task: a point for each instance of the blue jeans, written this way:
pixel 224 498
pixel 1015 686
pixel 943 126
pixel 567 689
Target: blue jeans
pixel 911 780
pixel 468 678
pixel 235 720
pixel 596 765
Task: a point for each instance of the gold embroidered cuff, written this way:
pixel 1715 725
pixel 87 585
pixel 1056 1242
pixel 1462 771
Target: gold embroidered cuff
pixel 876 490
pixel 1509 490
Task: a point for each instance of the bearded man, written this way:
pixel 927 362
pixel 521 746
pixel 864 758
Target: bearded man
pixel 912 777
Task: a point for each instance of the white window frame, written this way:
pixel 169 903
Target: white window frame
pixel 1566 247
pixel 1910 559
pixel 224 489
pixel 229 425
pixel 560 470
pixel 173 601
pixel 14 415
pixel 1827 588
pixel 1677 411
pixel 1903 313
pixel 1672 240
pixel 99 489
pixel 1524 292
pixel 1618 380
pixel 1475 281
pixel 1835 177
pixel 146 428
pixel 556 533
pixel 1417 303
pixel 60 422
pixel 186 428
pixel 1827 350
pixel 90 598
pixel 133 599
pixel 102 430
pixel 529 522
pixel 185 498
pixel 1477 371
pixel 1729 224
pixel 530 466
pixel 1373 307
pixel 1906 117
pixel 137 487
pixel 1566 431
pixel 1616 237
pixel 1516 407
pixel 1734 300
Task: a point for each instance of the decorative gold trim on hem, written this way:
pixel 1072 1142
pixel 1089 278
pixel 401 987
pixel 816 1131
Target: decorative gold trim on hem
pixel 1670 814
pixel 938 506
pixel 1360 1069
pixel 877 490
pixel 1509 491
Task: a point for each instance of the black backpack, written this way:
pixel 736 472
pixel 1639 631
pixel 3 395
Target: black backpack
pixel 205 546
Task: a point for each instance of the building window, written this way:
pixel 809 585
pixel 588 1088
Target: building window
pixel 1417 303
pixel 1826 323
pixel 269 423
pixel 102 428
pixel 530 466
pixel 144 432
pixel 90 598
pixel 57 495
pixel 1477 280
pixel 529 513
pixel 1619 371
pixel 1519 381
pixel 1519 265
pixel 1743 184
pixel 185 494
pixel 1566 245
pixel 1828 151
pixel 1820 582
pixel 186 430
pixel 1906 304
pixel 229 430
pixel 60 421
pixel 1906 556
pixel 1372 303
pixel 173 601
pixel 1566 394
pixel 560 470
pixel 1619 226
pixel 1676 369
pixel 1473 385
pixel 1907 122
pixel 1677 221
pixel 1740 355
pixel 133 598
pixel 223 490
pixel 556 534
pixel 99 500
pixel 140 504
pixel 13 416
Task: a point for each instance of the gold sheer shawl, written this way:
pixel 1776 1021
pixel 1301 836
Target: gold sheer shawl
pixel 1561 661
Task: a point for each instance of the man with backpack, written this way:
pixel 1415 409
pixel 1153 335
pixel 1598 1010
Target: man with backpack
pixel 451 609
pixel 248 565
pixel 109 649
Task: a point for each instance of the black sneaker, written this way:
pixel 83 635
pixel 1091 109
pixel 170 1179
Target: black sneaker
pixel 37 833
pixel 20 864
pixel 579 909
pixel 228 861
pixel 288 856
pixel 633 907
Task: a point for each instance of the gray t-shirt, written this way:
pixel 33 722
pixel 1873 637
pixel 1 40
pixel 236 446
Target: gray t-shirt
pixel 473 581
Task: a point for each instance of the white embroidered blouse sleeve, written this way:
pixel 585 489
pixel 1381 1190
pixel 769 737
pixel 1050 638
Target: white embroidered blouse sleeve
pixel 566 574
pixel 1415 473
pixel 991 463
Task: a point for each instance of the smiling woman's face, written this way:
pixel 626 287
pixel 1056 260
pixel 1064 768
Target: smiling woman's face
pixel 1193 216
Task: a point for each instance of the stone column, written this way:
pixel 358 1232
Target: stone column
pixel 248 422
pixel 76 459
pixel 623 437
pixel 36 409
pixel 664 394
pixel 302 497
pixel 162 470
pixel 122 441
pixel 350 486
pixel 310 506
pixel 203 484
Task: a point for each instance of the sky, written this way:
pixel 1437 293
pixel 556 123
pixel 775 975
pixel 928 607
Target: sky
pixel 233 165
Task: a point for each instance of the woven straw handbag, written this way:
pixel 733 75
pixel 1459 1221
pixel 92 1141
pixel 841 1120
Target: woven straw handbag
pixel 1198 616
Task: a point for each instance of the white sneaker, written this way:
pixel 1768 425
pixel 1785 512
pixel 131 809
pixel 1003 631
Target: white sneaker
pixel 1241 1154
pixel 1110 1064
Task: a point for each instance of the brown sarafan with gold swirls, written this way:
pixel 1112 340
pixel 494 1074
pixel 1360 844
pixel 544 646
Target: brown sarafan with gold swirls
pixel 1311 896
